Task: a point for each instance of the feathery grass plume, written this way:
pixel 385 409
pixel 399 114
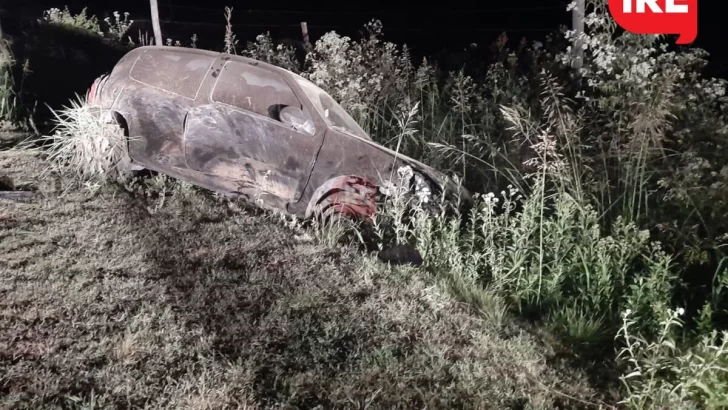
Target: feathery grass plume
pixel 87 143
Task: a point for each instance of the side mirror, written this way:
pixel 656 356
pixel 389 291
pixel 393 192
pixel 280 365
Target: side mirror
pixel 298 119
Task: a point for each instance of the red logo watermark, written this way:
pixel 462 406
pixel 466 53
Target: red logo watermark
pixel 658 17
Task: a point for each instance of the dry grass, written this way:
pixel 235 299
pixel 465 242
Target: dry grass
pixel 104 304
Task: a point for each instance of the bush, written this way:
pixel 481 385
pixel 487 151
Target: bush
pixel 264 49
pixel 81 21
pixel 663 374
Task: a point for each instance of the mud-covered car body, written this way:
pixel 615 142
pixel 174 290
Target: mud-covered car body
pixel 246 128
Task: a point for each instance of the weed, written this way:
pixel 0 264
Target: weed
pixel 118 26
pixel 231 41
pixel 662 374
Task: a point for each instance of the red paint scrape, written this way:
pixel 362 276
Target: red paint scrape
pixel 354 196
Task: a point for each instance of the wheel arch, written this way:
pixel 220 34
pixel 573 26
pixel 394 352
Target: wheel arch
pixel 347 194
pixel 121 121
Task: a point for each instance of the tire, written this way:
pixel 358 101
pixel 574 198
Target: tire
pixel 351 199
pixel 124 167
pixel 346 195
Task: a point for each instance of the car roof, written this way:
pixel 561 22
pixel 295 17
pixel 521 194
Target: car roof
pixel 210 53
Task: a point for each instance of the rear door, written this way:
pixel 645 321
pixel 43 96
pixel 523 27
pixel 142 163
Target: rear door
pixel 235 131
pixel 164 88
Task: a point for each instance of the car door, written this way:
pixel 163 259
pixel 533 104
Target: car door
pixel 241 130
pixel 163 88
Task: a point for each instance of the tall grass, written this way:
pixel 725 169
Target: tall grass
pixel 8 101
pixel 10 107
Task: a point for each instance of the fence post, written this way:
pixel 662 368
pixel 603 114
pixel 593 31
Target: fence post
pixel 577 23
pixel 155 23
pixel 304 32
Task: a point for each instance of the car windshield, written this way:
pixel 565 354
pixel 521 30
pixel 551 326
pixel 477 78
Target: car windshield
pixel 334 115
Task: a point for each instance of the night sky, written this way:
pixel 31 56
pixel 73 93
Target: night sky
pixel 428 29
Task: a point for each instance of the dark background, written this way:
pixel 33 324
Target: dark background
pixel 430 29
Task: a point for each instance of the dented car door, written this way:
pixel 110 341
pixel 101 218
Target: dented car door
pixel 252 127
pixel 164 87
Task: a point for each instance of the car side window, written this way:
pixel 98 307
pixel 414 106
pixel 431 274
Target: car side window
pixel 177 72
pixel 263 92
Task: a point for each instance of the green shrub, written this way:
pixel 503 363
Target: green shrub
pixel 117 25
pixel 264 49
pixel 663 374
pixel 81 21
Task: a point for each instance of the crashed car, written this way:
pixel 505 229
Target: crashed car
pixel 246 128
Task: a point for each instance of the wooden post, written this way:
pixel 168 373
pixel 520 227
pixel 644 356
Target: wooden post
pixel 155 23
pixel 577 23
pixel 304 31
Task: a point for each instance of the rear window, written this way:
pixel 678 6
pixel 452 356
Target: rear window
pixel 177 72
pixel 252 88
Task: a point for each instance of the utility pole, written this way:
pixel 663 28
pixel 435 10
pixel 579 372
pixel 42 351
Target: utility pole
pixel 577 24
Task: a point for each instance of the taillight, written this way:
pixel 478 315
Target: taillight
pixel 91 93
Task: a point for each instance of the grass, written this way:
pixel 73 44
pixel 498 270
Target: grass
pixel 111 300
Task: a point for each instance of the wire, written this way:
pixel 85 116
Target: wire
pixel 314 26
pixel 438 11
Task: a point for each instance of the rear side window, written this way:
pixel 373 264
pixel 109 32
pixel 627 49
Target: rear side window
pixel 177 72
pixel 254 89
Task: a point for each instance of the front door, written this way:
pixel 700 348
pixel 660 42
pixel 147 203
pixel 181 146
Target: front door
pixel 254 130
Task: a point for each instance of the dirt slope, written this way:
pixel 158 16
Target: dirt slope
pixel 114 299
